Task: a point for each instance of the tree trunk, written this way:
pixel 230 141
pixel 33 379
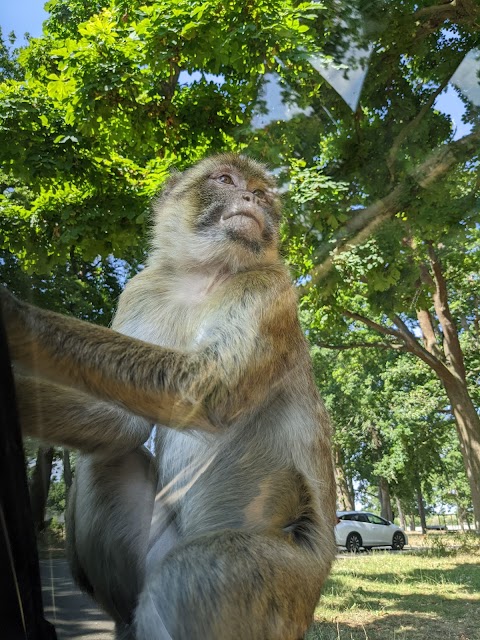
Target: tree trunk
pixel 401 515
pixel 39 486
pixel 421 509
pixel 351 490
pixel 344 497
pixel 455 382
pixel 467 423
pixel 412 522
pixel 67 471
pixel 384 497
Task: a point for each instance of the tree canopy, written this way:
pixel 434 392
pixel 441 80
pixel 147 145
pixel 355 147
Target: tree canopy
pixel 381 187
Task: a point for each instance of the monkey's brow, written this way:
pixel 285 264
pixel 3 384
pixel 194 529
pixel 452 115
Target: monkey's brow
pixel 226 168
pixel 262 179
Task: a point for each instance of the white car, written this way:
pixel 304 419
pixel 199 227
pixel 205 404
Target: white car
pixel 357 529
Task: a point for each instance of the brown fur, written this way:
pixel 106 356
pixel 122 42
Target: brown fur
pixel 206 343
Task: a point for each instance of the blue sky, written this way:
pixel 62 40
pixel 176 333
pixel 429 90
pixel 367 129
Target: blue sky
pixel 22 16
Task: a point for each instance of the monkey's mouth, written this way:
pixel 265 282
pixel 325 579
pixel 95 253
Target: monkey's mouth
pixel 242 218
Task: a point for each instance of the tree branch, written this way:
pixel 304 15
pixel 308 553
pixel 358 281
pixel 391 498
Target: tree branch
pixel 362 345
pixel 364 222
pixel 386 331
pixel 451 343
pixel 169 87
pixel 410 343
pixel 404 331
pixel 428 332
pixel 413 345
pixel 443 7
pixel 425 319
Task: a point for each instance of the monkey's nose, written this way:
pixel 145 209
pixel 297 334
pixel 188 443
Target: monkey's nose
pixel 247 197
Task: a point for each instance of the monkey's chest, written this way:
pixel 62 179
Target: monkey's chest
pixel 177 317
pixel 170 324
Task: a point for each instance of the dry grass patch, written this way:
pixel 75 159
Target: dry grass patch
pixel 387 596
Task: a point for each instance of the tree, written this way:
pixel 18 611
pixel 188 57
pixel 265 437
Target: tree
pixel 417 276
pixel 95 113
pixel 115 94
pixel 40 485
pixel 392 432
pixel 67 471
pixel 389 216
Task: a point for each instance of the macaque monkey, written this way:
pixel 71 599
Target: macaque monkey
pixel 227 532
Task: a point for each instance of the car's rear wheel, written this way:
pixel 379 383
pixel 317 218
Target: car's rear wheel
pixel 354 542
pixel 398 541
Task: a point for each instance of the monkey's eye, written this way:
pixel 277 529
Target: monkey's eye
pixel 259 193
pixel 225 179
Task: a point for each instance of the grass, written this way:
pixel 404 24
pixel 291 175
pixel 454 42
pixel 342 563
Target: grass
pixel 387 596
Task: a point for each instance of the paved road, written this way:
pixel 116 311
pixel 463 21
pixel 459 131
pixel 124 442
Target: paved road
pixel 73 613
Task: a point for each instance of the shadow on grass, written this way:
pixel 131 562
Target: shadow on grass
pixel 392 627
pixel 403 606
pixel 381 610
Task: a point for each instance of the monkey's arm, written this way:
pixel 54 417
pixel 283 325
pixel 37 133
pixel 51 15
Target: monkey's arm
pixel 110 366
pixel 67 417
pixel 204 389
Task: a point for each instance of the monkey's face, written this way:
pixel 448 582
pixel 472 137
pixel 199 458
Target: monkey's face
pixel 231 212
pixel 238 205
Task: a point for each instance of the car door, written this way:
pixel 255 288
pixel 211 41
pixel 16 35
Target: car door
pixel 346 524
pixel 379 530
pixel 364 528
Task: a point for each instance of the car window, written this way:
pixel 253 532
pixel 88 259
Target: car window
pixel 376 519
pixel 354 517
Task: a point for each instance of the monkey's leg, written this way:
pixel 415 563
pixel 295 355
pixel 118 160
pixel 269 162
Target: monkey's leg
pixel 108 522
pixel 230 585
pixel 68 417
